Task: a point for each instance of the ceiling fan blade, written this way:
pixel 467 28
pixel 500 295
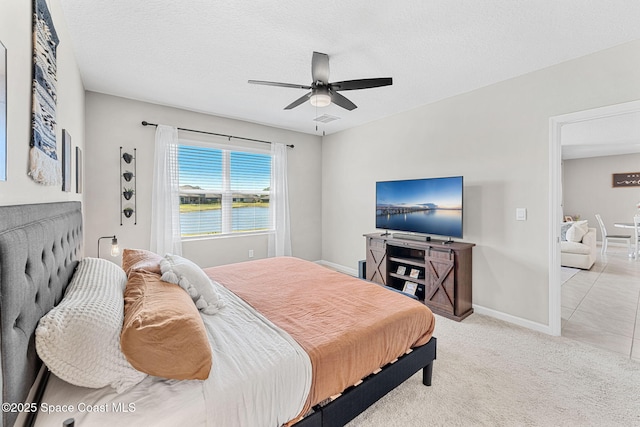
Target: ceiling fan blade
pixel 343 102
pixel 291 85
pixel 298 101
pixel 361 83
pixel 320 67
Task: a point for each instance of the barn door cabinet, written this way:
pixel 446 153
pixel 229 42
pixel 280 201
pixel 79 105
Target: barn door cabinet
pixel 441 271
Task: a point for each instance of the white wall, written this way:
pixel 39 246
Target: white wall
pixel 588 190
pixel 16 35
pixel 113 122
pixel 497 137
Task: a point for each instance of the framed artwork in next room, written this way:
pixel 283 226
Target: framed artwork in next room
pixel 627 179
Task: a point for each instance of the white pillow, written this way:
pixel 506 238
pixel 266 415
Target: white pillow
pixel 192 279
pixel 79 339
pixel 576 232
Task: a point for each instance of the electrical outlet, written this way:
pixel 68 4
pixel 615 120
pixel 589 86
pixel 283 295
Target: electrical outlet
pixel 250 253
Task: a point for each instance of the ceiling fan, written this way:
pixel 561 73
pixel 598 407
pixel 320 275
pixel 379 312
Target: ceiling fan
pixel 324 93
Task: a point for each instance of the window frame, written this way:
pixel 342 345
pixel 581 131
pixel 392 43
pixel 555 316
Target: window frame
pixel 226 198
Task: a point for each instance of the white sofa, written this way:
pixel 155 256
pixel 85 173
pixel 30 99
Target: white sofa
pixel 579 254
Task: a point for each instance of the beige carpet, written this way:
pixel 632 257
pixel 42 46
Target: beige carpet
pixel 493 373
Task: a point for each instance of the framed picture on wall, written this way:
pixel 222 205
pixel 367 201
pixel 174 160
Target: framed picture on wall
pixel 66 161
pixel 627 179
pixel 3 112
pixel 78 170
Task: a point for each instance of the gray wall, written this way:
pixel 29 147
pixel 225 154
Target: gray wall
pixel 587 190
pixel 113 122
pixel 497 137
pixel 16 35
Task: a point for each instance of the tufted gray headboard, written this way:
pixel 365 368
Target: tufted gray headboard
pixel 40 246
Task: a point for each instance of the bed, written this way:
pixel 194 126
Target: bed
pixel 41 246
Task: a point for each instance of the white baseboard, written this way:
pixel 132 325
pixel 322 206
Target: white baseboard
pixel 545 329
pixel 338 267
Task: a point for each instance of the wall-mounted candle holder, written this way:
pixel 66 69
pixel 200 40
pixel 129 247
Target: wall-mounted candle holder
pixel 128 184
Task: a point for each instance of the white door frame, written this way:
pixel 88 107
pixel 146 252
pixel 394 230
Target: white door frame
pixel 555 196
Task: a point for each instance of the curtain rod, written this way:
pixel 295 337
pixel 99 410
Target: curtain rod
pixel 146 123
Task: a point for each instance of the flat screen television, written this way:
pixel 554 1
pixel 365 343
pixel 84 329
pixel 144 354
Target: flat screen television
pixel 426 206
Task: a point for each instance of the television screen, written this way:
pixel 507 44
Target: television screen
pixel 428 206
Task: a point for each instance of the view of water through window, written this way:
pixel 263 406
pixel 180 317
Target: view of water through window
pixel 210 221
pixel 223 191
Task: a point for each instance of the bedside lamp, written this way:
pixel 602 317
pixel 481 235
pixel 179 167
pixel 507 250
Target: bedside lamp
pixel 115 250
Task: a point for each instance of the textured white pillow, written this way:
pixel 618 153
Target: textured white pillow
pixel 79 339
pixel 576 232
pixel 191 278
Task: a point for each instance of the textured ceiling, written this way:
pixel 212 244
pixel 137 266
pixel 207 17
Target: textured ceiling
pixel 606 136
pixel 199 54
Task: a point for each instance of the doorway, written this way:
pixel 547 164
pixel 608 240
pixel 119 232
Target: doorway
pixel 555 195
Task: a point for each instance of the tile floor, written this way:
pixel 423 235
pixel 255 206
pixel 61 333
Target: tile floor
pixel 601 306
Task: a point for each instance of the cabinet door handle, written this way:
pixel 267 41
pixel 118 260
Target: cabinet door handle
pixel 447 250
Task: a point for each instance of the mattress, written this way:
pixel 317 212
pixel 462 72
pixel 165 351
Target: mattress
pixel 349 327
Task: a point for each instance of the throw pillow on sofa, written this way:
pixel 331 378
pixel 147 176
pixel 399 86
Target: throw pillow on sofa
pixel 576 232
pixel 563 230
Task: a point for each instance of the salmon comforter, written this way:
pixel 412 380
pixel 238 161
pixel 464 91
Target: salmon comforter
pixel 348 327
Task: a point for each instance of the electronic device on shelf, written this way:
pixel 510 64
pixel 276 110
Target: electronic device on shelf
pixel 426 206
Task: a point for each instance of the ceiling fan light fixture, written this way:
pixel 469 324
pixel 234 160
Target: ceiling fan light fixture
pixel 320 100
pixel 322 92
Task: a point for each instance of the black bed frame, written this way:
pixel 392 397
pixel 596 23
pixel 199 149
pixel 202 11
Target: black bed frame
pixel 40 246
pixel 355 400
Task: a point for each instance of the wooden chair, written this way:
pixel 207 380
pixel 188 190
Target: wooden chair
pixel 606 237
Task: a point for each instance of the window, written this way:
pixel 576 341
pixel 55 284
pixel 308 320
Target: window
pixel 223 191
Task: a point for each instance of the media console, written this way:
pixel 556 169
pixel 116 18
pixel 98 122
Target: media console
pixel 444 271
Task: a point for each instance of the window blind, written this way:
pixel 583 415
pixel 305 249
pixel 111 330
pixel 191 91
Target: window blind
pixel 223 191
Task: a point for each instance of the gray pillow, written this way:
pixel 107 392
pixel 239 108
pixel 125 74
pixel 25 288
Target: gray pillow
pixel 563 230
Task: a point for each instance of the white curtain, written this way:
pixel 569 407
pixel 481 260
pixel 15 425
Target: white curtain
pixel 280 240
pixel 165 198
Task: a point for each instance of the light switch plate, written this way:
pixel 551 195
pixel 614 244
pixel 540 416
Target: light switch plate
pixel 521 214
